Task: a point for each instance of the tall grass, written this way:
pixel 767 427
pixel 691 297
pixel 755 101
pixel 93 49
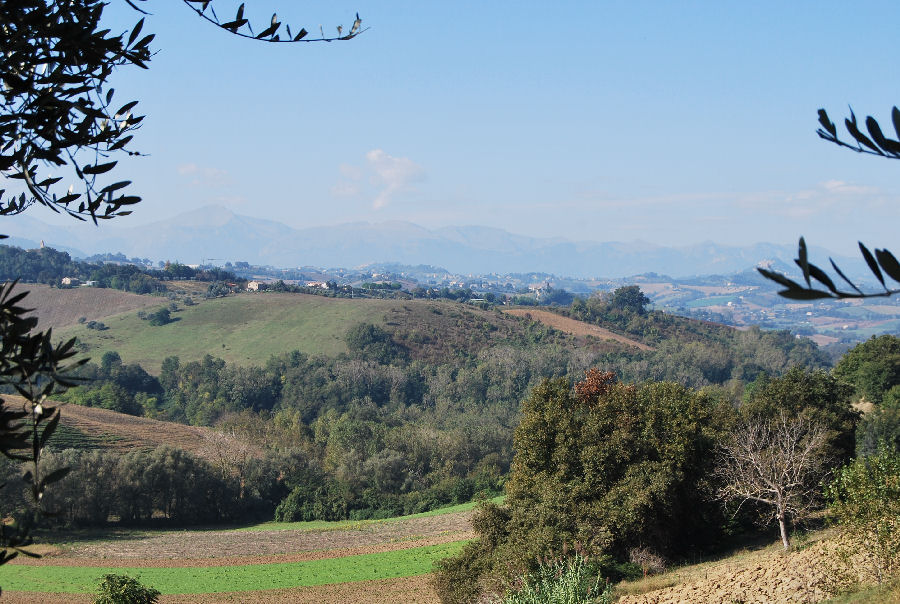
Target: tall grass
pixel 561 581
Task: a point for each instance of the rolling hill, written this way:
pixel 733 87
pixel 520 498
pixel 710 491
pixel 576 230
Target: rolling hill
pixel 247 329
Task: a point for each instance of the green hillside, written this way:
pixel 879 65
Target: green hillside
pixel 247 329
pixel 244 329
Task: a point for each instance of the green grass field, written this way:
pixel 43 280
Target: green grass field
pixel 245 329
pixel 248 577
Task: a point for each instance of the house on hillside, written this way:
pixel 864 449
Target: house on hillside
pixel 255 286
pixel 70 282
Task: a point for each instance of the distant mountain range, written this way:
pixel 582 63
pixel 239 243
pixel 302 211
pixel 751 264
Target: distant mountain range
pixel 217 233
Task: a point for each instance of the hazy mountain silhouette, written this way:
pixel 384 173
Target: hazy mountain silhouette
pixel 216 232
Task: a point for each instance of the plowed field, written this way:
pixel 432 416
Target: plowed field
pixel 574 327
pixel 229 558
pixel 57 308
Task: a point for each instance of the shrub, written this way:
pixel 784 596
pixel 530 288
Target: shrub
pixel 560 581
pixel 456 579
pixel 865 501
pixel 122 589
pixel 160 317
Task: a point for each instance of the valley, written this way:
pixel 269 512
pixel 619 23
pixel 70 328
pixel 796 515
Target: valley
pixel 396 408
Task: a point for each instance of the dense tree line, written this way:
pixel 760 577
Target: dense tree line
pixel 634 471
pixel 165 485
pixel 46 265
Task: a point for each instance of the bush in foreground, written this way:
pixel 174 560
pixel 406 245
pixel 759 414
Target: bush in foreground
pixel 122 589
pixel 560 581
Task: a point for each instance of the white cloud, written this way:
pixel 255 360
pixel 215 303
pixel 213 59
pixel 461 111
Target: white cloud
pixel 392 174
pixel 203 176
pixel 382 176
pixel 351 172
pixel 841 187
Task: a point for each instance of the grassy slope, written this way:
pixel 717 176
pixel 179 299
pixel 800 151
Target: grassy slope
pixel 247 577
pixel 247 329
pixel 244 329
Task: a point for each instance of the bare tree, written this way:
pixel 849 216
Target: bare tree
pixel 778 463
pixel 230 453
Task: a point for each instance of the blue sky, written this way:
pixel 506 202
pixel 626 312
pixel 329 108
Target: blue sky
pixel 670 122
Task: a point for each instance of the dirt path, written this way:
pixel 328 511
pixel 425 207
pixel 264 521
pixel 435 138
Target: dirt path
pixel 574 327
pixel 224 548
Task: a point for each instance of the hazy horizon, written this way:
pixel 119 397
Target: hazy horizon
pixel 667 123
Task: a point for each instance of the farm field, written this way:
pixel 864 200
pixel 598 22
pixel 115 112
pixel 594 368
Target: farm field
pixel 575 327
pixel 91 427
pixel 59 308
pixel 243 329
pixel 368 561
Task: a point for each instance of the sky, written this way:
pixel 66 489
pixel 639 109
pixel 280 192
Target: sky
pixel 667 122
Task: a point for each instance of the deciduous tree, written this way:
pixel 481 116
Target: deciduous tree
pixel 778 463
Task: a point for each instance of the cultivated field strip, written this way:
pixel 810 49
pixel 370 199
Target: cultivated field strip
pixel 198 548
pixel 128 432
pixel 575 327
pixel 57 308
pixel 277 565
pixel 231 578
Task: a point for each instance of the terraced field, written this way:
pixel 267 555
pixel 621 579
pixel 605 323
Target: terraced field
pixel 120 432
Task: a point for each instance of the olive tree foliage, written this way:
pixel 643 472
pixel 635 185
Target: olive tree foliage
pixel 778 463
pixel 62 132
pixel 882 262
pixel 60 125
pixel 240 26
pixel 62 129
pixel 36 369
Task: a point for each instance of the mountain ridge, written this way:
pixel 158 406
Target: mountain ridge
pixel 215 232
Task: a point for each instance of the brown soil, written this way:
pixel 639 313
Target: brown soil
pixel 57 308
pixel 574 327
pixel 216 548
pixel 768 576
pixel 193 548
pixel 406 590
